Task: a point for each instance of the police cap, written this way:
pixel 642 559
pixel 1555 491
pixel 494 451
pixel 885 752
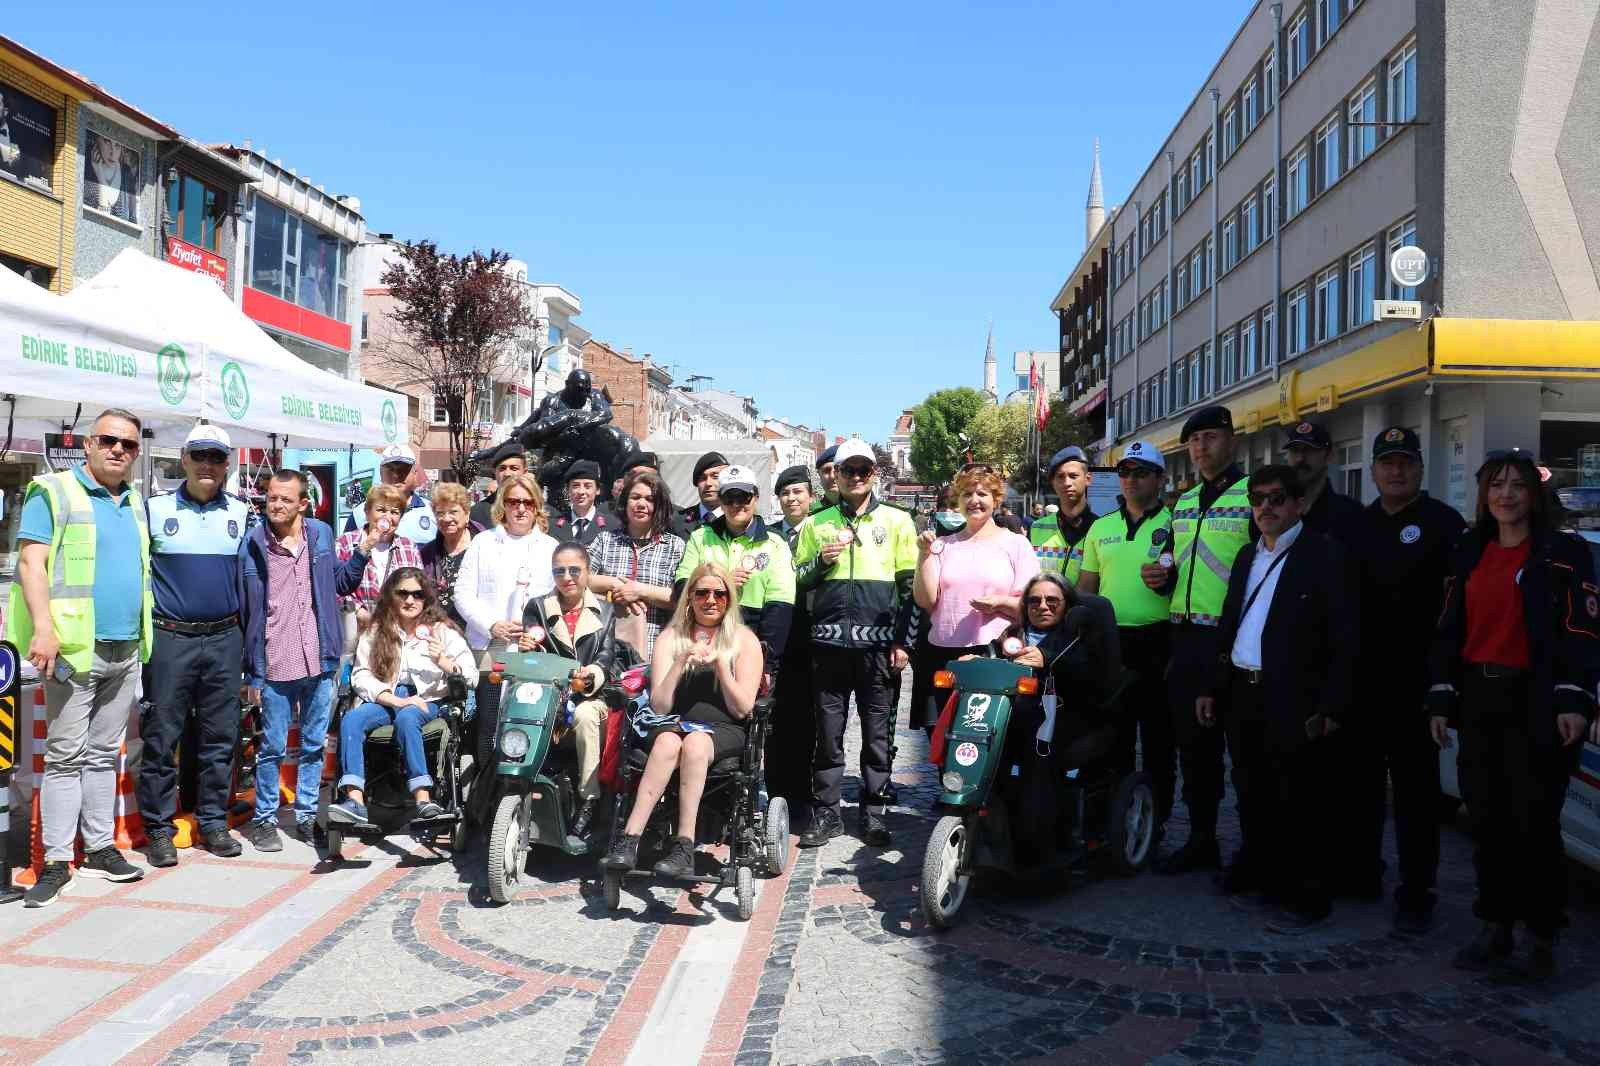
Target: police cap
pixel 792 475
pixel 584 468
pixel 1396 440
pixel 1070 454
pixel 1308 435
pixel 825 456
pixel 1216 416
pixel 706 462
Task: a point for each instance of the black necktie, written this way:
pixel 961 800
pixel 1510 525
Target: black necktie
pixel 579 526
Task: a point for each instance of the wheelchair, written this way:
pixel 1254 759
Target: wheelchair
pixel 389 802
pixel 735 810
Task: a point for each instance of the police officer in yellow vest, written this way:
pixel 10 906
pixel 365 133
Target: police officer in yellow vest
pixel 1058 539
pixel 82 608
pixel 1210 525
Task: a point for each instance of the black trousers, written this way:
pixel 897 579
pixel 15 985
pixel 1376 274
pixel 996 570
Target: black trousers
pixel 1515 787
pixel 1387 745
pixel 793 736
pixel 836 674
pixel 1146 716
pixel 928 659
pixel 1190 673
pixel 1284 802
pixel 198 676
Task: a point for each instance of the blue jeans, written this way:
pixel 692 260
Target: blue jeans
pixel 313 696
pixel 408 723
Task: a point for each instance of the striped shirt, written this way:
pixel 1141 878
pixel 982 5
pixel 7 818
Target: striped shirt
pixel 293 650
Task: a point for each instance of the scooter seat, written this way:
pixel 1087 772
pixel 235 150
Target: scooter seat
pixel 433 730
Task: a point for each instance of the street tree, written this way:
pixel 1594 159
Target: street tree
pixel 1061 428
pixel 459 323
pixel 1000 436
pixel 942 433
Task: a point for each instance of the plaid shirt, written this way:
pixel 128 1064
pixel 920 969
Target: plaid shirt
pixel 401 553
pixel 655 562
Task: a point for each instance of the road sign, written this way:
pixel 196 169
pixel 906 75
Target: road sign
pixel 1383 310
pixel 1408 266
pixel 10 683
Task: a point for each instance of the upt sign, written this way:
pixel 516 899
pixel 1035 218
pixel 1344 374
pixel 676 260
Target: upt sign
pixel 1408 266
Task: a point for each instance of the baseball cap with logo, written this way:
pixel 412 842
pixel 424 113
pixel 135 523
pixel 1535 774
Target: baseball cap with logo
pixel 1396 440
pixel 1144 452
pixel 854 449
pixel 1308 435
pixel 207 436
pixel 398 453
pixel 737 479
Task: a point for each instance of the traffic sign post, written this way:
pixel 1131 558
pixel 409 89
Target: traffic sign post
pixel 10 683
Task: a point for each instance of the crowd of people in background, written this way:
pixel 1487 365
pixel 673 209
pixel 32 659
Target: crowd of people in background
pixel 1318 651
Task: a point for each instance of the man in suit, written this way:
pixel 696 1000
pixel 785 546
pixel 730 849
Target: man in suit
pixel 583 518
pixel 1283 682
pixel 707 469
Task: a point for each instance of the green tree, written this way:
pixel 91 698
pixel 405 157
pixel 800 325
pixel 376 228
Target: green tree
pixel 1000 436
pixel 942 431
pixel 1061 428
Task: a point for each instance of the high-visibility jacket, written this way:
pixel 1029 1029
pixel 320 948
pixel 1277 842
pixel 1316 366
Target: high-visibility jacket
pixel 1060 548
pixel 766 601
pixel 70 568
pixel 864 599
pixel 1204 543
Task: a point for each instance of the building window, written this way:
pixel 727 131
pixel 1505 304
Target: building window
pixel 1363 110
pixel 1363 285
pixel 1328 154
pixel 441 414
pixel 1327 324
pixel 1298 178
pixel 1252 103
pixel 1210 157
pixel 1269 207
pixel 1269 336
pixel 1183 284
pixel 1247 348
pixel 1230 243
pixel 1160 226
pixel 1194 377
pixel 1252 231
pixel 1197 271
pixel 1403 234
pixel 363 325
pixel 1161 302
pixel 266 247
pixel 1230 355
pixel 1183 188
pixel 1299 45
pixel 1403 85
pixel 1211 369
pixel 1197 171
pixel 296 261
pixel 1347 455
pixel 196 211
pixel 1230 132
pixel 1269 85
pixel 1297 322
pixel 28 271
pixel 113 176
pixel 1327 20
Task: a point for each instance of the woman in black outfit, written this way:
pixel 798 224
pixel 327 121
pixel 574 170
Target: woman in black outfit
pixel 1514 668
pixel 705 673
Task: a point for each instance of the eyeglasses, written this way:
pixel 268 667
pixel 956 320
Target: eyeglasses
pixel 410 594
pixel 711 595
pixel 110 442
pixel 1275 498
pixel 566 571
pixel 856 470
pixel 1043 601
pixel 519 503
pixel 208 456
pixel 736 497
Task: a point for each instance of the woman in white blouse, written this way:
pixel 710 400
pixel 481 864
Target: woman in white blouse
pixel 502 570
pixel 403 664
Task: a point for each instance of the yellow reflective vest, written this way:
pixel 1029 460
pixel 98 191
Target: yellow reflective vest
pixel 1204 544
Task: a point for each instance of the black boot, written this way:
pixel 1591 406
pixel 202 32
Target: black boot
pixel 1200 853
pixel 872 830
pixel 585 816
pixel 825 825
pixel 679 859
pixel 624 853
pixel 1542 958
pixel 1492 944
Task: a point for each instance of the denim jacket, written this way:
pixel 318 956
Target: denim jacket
pixel 330 579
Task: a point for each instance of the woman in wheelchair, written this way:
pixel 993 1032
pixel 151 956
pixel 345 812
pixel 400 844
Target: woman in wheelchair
pixel 403 663
pixel 574 623
pixel 705 673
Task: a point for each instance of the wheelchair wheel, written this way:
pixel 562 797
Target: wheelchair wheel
pixel 777 836
pixel 458 835
pixel 745 888
pixel 944 879
pixel 335 846
pixel 1130 825
pixel 508 850
pixel 613 889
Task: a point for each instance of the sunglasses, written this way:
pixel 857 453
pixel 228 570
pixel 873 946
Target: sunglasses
pixel 1043 601
pixel 856 471
pixel 519 503
pixel 410 594
pixel 711 595
pixel 1275 498
pixel 1128 473
pixel 736 497
pixel 566 571
pixel 110 442
pixel 207 456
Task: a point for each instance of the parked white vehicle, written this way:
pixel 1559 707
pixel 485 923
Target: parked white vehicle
pixel 1580 818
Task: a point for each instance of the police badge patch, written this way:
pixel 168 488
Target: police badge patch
pixel 762 560
pixel 233 529
pixel 1410 534
pixel 1159 536
pixel 880 535
pixel 170 527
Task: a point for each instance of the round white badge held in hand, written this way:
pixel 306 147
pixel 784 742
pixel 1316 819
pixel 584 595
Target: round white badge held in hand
pixel 936 548
pixel 1011 646
pixel 384 525
pixel 747 563
pixel 424 632
pixel 1166 560
pixel 845 536
pixel 536 634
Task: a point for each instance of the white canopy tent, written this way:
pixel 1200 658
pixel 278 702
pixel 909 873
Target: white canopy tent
pixel 677 458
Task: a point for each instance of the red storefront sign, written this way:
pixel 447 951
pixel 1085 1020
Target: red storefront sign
pixel 183 254
pixel 292 318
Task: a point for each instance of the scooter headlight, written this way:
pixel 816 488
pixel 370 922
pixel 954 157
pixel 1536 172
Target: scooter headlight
pixel 952 781
pixel 514 744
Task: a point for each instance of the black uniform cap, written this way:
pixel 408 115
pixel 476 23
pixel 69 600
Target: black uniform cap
pixel 1396 440
pixel 706 462
pixel 509 450
pixel 1214 417
pixel 584 468
pixel 825 456
pixel 792 475
pixel 1309 434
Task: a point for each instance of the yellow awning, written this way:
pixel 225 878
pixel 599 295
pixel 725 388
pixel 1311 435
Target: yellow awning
pixel 1514 347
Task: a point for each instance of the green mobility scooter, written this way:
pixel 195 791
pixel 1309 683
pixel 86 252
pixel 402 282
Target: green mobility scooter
pixel 1010 804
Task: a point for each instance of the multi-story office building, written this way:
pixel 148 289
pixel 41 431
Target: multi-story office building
pixel 1244 264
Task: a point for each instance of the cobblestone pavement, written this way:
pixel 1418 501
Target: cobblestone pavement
pixel 396 957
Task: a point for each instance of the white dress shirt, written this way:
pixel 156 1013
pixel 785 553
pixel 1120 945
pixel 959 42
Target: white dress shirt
pixel 1247 641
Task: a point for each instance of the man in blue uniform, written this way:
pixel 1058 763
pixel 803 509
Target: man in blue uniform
pixel 196 663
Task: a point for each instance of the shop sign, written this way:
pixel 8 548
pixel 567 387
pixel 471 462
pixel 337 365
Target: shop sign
pixel 1455 438
pixel 63 450
pixel 1408 266
pixel 181 253
pixel 27 138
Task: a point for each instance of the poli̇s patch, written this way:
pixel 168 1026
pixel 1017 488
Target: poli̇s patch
pixel 1411 534
pixel 170 527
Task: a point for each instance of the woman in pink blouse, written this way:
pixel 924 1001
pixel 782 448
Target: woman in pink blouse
pixel 968 583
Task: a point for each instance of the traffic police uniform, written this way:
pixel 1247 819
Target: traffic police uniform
pixel 1058 539
pixel 196 664
pixel 1401 562
pixel 861 607
pixel 794 732
pixel 1115 549
pixel 1210 525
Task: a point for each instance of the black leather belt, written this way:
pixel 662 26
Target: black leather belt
pixel 1496 671
pixel 197 629
pixel 1249 677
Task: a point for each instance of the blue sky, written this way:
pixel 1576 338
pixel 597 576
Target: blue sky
pixel 818 204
